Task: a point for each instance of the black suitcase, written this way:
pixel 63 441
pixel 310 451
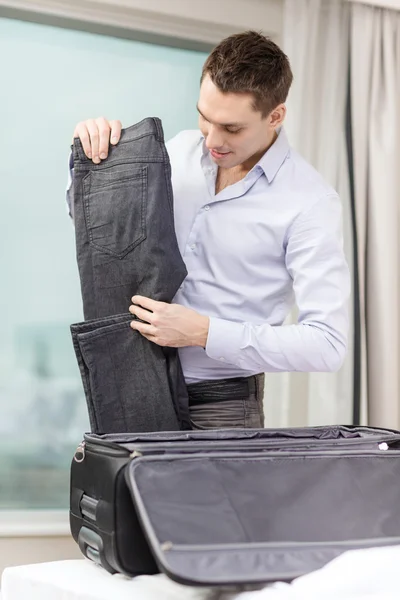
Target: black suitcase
pixel 234 507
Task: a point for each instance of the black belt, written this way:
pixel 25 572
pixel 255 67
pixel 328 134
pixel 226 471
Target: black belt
pixel 221 390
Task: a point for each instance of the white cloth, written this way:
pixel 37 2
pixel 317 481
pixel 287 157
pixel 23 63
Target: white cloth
pixel 370 574
pixel 83 580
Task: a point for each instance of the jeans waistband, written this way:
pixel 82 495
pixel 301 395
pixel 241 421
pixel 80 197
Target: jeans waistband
pixel 220 390
pixel 150 126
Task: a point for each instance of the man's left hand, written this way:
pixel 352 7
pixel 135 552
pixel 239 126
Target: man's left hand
pixel 169 324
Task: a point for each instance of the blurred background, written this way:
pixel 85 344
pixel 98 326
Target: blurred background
pixel 65 61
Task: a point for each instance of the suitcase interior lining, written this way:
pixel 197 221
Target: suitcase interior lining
pixel 269 499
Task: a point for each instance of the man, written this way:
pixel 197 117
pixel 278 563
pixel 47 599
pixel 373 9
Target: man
pixel 258 228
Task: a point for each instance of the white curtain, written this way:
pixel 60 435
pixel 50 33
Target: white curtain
pixel 316 37
pixel 375 93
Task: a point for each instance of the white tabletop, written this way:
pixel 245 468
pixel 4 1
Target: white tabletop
pixel 372 574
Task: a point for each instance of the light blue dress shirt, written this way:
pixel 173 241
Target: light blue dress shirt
pixel 253 250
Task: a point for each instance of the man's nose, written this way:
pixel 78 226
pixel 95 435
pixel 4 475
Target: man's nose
pixel 214 138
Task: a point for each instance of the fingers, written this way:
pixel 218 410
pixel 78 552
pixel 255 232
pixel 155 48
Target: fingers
pixel 82 133
pixel 147 302
pixel 116 127
pixel 95 137
pixel 104 129
pixel 148 331
pixel 141 313
pixel 94 140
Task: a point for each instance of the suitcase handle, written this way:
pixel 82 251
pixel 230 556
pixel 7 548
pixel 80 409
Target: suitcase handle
pixel 88 507
pixel 91 545
pixel 93 555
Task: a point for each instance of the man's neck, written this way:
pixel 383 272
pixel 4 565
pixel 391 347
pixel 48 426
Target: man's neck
pixel 253 160
pixel 227 177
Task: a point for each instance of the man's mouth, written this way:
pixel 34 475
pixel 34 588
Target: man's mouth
pixel 217 154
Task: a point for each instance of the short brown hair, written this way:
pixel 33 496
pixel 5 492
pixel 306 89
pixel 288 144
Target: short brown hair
pixel 252 63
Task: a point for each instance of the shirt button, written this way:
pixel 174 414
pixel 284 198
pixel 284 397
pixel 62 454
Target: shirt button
pixel 221 358
pixel 193 247
pixel 207 207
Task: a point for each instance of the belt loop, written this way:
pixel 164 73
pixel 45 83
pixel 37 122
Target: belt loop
pixel 159 129
pixel 78 153
pixel 252 383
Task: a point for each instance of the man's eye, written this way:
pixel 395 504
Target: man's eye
pixel 233 130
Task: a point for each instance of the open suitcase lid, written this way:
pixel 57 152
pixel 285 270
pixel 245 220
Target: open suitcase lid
pixel 229 518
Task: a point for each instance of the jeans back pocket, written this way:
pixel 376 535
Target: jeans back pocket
pixel 115 209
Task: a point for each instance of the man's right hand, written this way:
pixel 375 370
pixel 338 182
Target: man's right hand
pixel 96 136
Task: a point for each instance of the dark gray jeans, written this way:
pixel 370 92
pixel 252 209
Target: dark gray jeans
pixel 227 403
pixel 126 245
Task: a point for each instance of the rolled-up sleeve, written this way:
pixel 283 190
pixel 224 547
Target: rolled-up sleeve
pixel 316 263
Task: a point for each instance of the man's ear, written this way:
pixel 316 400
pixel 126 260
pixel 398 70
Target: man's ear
pixel 277 116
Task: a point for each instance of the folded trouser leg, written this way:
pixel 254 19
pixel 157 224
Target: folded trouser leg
pixel 91 325
pixel 84 371
pixel 127 380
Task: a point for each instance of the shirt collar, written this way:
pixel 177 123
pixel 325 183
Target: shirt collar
pixel 274 157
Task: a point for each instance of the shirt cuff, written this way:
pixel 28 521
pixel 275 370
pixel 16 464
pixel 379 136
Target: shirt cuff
pixel 224 340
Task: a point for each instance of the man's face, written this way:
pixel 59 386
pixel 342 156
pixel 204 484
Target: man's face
pixel 233 130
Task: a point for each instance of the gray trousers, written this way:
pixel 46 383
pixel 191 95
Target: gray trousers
pixel 227 403
pixel 126 245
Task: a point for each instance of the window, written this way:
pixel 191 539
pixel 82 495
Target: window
pixel 53 78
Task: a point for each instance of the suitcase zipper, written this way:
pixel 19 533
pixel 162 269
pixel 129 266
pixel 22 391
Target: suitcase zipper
pixel 260 455
pixel 79 455
pixel 165 546
pixel 80 452
pixel 181 448
pixel 104 448
pixel 135 454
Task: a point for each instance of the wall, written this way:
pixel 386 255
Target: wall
pixel 394 4
pixel 28 550
pixel 195 25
